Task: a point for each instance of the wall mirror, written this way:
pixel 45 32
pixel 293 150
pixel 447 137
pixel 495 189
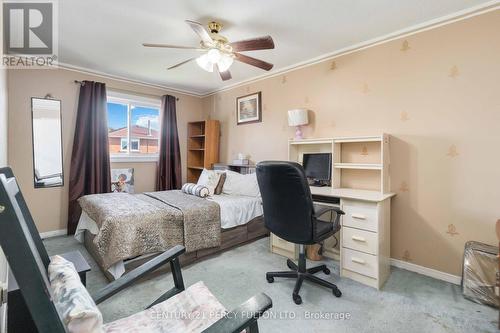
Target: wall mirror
pixel 47 142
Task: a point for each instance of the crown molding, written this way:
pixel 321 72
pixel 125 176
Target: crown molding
pixel 104 75
pixel 412 30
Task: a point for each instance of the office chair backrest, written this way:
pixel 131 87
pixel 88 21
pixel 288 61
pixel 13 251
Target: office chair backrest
pixel 24 258
pixel 286 197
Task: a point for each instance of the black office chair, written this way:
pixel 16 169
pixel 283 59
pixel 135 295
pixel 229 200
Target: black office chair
pixel 289 213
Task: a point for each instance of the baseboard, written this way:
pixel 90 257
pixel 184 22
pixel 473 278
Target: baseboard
pixel 455 279
pixel 55 233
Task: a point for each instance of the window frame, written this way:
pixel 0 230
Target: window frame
pixel 132 101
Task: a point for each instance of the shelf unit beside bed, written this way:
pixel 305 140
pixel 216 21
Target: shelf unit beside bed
pixel 202 147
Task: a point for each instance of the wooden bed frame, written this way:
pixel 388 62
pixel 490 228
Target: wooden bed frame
pixel 230 238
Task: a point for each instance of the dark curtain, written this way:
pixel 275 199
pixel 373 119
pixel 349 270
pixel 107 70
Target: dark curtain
pixel 169 162
pixel 90 166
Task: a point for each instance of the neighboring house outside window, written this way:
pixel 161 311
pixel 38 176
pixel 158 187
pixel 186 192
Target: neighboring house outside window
pixel 141 142
pixel 134 120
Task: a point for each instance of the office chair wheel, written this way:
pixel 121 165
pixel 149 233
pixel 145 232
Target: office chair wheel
pixel 337 292
pixel 326 271
pixel 297 299
pixel 270 279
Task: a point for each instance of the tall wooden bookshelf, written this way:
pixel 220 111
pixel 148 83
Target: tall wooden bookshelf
pixel 202 147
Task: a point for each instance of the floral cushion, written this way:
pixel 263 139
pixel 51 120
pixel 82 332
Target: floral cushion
pixel 210 179
pixel 193 310
pixel 72 300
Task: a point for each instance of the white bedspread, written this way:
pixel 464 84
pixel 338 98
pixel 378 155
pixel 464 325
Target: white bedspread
pixel 235 210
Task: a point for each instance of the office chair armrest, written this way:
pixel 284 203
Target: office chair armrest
pixel 320 210
pixel 126 280
pixel 243 317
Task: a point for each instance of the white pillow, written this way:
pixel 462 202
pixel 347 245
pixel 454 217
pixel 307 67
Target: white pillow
pixel 238 184
pixel 209 179
pixel 72 300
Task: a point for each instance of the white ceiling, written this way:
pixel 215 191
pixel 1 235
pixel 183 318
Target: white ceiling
pixel 106 36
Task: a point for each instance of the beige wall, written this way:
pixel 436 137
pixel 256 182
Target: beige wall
pixel 49 206
pixel 3 117
pixel 438 95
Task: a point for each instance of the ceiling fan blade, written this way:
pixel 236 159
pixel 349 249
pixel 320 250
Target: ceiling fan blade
pixel 173 46
pixel 181 63
pixel 224 75
pixel 253 61
pixel 200 31
pixel 252 44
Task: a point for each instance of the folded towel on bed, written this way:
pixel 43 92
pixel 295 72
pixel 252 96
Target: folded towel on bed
pixel 194 189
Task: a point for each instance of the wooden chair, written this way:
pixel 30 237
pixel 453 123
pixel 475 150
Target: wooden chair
pixel 29 261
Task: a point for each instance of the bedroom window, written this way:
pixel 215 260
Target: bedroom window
pixel 133 128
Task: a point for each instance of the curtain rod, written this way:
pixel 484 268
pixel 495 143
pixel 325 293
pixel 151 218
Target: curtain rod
pixel 82 83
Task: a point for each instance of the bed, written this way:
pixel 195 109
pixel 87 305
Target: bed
pixel 123 230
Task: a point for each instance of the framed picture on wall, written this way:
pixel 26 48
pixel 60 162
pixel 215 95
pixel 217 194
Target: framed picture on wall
pixel 122 180
pixel 249 109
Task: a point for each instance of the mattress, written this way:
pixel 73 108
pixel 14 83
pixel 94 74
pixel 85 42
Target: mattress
pixel 235 210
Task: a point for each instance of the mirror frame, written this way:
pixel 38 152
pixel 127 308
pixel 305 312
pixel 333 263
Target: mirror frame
pixel 33 144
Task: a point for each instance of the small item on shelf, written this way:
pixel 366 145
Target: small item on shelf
pixel 241 162
pixel 479 273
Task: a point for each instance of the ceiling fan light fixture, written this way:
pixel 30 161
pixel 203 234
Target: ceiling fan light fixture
pixel 214 55
pixel 225 62
pixel 218 51
pixel 204 62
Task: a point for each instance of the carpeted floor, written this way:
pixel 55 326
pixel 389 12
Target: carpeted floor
pixel 408 302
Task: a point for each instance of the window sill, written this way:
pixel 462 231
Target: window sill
pixel 133 158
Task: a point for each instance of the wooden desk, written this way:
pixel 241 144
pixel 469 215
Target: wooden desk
pixel 18 316
pixel 357 162
pixel 364 249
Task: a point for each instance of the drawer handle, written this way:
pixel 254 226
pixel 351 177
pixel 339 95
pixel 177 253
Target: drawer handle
pixel 358 261
pixel 358 239
pixel 358 216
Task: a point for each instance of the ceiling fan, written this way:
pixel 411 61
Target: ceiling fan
pixel 218 52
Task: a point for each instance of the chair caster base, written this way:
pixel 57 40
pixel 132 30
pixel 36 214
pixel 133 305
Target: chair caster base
pixel 300 274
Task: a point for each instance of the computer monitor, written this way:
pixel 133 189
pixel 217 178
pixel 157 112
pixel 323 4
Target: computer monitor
pixel 318 166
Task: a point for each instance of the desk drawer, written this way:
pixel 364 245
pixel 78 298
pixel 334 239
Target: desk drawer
pixel 360 240
pixel 359 262
pixel 360 214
